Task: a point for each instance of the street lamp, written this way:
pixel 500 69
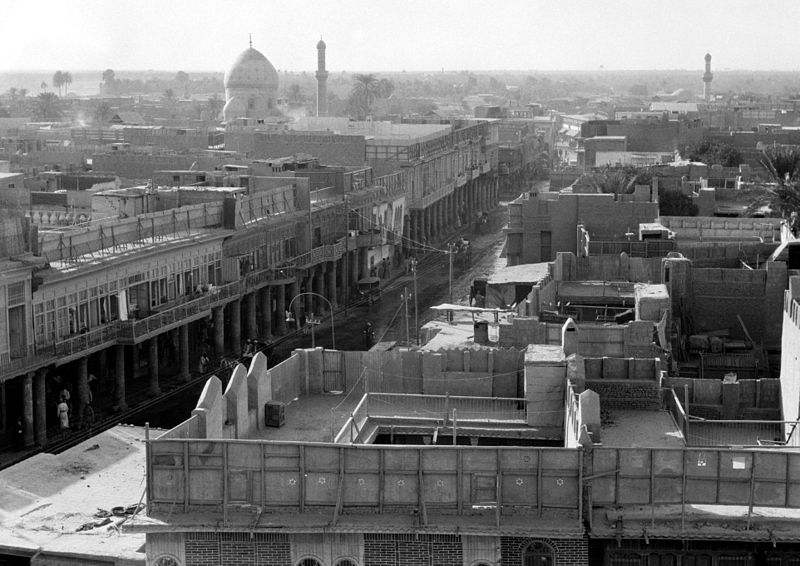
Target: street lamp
pixel 416 305
pixel 312 322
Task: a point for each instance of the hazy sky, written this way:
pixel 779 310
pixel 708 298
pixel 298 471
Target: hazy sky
pixel 387 35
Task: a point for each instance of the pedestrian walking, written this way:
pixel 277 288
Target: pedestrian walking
pixel 369 336
pixel 63 414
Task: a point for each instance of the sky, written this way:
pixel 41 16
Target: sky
pixel 396 35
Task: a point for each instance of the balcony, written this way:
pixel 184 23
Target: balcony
pixel 133 331
pixel 320 254
pixel 33 357
pixel 257 279
pixel 371 239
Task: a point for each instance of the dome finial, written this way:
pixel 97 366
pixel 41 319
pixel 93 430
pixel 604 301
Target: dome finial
pixel 251 40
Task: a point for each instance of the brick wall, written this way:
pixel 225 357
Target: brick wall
pixel 234 549
pixel 422 550
pixel 630 394
pixel 568 552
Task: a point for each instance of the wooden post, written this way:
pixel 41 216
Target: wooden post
pixel 539 486
pixel 498 486
pixel 381 479
pixel 224 483
pixel 301 481
pixel 752 495
pixel 683 495
pixel 185 477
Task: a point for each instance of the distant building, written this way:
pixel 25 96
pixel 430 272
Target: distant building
pixel 251 85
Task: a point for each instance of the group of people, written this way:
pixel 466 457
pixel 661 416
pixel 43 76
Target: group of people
pixel 382 269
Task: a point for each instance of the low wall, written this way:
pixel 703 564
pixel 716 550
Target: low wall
pixel 699 228
pixel 754 399
pixel 480 372
pixel 627 394
pixel 634 339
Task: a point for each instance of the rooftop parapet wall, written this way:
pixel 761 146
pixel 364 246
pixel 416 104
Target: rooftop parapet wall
pixel 476 372
pixel 634 339
pixel 700 228
pixel 755 399
pixel 720 296
pixel 724 476
pixel 214 475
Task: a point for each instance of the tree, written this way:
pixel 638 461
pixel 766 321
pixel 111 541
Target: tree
pixel 58 81
pixel 110 83
pixel 4 113
pixel 169 95
pixel 783 196
pixel 295 93
pixel 714 153
pixel 47 108
pixel 385 88
pixel 214 105
pixel 102 113
pixel 43 86
pixel 67 78
pixel 675 203
pixel 365 91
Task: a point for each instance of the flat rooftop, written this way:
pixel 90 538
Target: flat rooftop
pixel 311 418
pixel 46 498
pixel 628 428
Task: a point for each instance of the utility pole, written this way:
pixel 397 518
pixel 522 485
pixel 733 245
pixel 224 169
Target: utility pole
pixel 346 274
pixel 450 254
pixel 405 298
pixel 416 302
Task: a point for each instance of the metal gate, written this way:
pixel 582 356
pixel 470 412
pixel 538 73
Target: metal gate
pixel 332 371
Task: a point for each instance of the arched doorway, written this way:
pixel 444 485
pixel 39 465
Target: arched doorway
pixel 538 553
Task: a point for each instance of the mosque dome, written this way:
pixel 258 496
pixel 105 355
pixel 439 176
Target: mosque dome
pixel 251 70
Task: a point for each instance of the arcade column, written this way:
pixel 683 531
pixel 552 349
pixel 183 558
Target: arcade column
pixel 154 389
pixel 119 378
pixel 250 316
pixel 27 409
pixel 280 307
pixel 219 330
pixel 40 408
pixel 183 347
pixel 265 306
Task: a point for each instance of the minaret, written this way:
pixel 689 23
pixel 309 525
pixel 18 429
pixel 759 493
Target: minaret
pixel 707 78
pixel 322 81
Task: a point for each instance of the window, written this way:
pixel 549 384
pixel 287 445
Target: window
pixel 538 554
pixel 309 561
pixel 346 562
pixel 484 489
pixel 166 561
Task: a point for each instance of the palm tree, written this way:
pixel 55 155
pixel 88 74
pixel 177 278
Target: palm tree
pixel 67 78
pixel 366 90
pixel 783 166
pixel 58 81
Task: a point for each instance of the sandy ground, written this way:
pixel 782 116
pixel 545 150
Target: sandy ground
pixel 46 498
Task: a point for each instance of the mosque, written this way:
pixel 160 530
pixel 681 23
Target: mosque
pixel 251 86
